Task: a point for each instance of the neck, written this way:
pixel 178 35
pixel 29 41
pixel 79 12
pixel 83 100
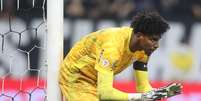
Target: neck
pixel 132 44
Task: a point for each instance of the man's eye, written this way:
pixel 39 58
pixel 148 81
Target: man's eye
pixel 155 39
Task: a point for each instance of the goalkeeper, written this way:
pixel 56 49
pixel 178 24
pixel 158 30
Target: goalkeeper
pixel 87 71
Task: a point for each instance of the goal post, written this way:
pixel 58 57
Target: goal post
pixel 54 47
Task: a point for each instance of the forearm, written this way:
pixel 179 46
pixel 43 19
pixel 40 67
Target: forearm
pixel 142 83
pixel 106 90
pixel 113 94
pixel 142 80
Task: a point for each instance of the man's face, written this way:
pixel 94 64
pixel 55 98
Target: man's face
pixel 149 43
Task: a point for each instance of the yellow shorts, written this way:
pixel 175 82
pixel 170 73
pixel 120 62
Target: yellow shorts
pixel 74 94
pixel 76 88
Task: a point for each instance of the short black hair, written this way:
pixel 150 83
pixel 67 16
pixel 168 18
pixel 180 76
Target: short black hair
pixel 150 23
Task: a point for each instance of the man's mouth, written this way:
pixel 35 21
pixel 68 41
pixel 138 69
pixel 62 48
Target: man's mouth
pixel 150 51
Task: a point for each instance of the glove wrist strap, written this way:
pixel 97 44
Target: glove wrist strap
pixel 140 66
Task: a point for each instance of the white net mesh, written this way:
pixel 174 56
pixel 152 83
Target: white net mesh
pixel 23 56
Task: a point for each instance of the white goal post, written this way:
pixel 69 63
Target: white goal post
pixel 54 47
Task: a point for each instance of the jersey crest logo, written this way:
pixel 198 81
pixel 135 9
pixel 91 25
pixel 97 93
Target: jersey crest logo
pixel 105 62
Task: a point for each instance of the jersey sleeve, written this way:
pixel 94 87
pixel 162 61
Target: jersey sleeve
pixel 142 81
pixel 106 90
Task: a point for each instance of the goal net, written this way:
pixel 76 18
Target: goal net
pixel 24 51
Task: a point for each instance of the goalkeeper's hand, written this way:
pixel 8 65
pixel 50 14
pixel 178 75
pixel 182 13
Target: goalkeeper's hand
pixel 163 92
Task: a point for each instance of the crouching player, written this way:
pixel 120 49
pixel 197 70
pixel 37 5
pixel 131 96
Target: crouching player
pixel 87 71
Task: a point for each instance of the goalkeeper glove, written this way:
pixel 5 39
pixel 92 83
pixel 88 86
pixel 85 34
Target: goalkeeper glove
pixel 163 92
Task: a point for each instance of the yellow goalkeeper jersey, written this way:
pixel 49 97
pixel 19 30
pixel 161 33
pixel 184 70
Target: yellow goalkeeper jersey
pixel 108 48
